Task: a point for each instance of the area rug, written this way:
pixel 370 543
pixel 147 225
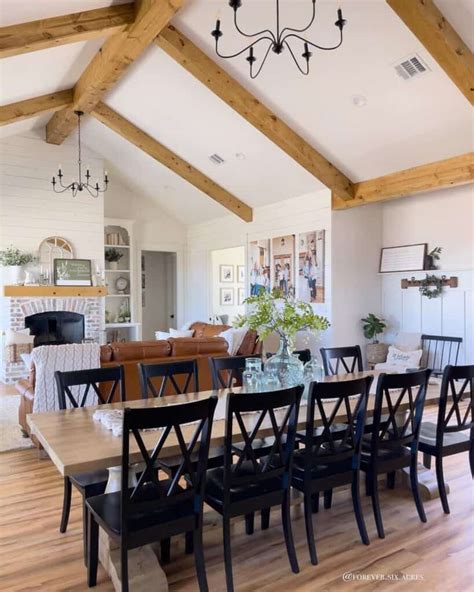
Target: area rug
pixel 11 437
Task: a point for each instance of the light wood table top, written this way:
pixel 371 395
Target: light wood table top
pixel 76 443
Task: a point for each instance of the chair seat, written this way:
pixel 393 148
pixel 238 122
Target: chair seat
pixel 90 480
pixel 261 447
pixel 320 471
pixel 453 442
pixel 318 432
pixel 107 508
pixel 215 459
pixel 384 454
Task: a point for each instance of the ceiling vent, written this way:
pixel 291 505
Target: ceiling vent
pixel 411 67
pixel 216 159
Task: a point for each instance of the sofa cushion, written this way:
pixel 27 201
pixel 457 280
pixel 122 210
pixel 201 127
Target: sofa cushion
pixel 139 350
pixel 207 330
pixel 105 353
pixel 248 345
pixel 193 346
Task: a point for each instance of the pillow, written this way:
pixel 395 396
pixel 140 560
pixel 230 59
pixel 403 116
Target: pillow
pixel 234 338
pixel 181 333
pixel 21 337
pixel 408 359
pixel 159 335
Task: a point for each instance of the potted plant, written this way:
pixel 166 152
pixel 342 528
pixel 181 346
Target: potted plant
pixel 113 256
pixel 373 326
pixel 433 257
pixel 15 259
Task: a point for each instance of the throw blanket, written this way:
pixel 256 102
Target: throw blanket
pixel 48 359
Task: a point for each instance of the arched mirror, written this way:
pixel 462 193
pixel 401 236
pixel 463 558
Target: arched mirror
pixel 53 247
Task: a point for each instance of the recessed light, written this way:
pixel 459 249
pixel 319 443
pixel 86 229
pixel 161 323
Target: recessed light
pixel 359 100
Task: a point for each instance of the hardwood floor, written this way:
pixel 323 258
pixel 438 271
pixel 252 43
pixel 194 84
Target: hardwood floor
pixel 35 556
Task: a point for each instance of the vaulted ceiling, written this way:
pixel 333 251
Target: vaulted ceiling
pixel 403 123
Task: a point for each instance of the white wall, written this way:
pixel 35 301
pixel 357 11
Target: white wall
pixel 234 256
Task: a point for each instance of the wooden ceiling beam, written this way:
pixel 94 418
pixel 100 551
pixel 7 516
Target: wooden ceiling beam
pixel 436 175
pixel 111 62
pixel 15 112
pixel 172 161
pixel 197 63
pixel 428 24
pixel 52 32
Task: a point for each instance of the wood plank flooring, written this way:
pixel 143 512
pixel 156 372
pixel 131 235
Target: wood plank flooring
pixel 34 556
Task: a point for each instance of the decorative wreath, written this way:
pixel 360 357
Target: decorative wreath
pixel 431 286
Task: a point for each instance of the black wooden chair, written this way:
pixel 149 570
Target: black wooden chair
pixel 439 351
pixel 445 437
pixel 251 484
pixel 186 370
pixel 155 509
pixel 348 359
pixel 74 389
pixel 226 372
pixel 393 442
pixel 330 456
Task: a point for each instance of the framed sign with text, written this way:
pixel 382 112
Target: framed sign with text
pixel 403 258
pixel 72 272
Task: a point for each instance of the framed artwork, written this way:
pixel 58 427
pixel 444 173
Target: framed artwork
pixel 283 264
pixel 227 273
pixel 241 296
pixel 72 272
pixel 259 266
pixel 403 258
pixel 311 247
pixel 227 296
pixel 241 274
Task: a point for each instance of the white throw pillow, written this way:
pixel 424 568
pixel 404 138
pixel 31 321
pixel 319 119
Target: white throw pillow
pixel 234 338
pixel 18 337
pixel 181 333
pixel 408 359
pixel 160 335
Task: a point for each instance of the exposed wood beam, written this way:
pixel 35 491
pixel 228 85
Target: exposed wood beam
pixel 436 175
pixel 428 24
pixel 195 61
pixel 110 63
pixel 175 163
pixel 32 107
pixel 51 32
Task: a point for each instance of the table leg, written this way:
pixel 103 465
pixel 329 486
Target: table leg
pixel 427 482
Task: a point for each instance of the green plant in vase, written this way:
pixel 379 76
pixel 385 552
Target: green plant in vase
pixel 373 326
pixel 113 256
pixel 14 259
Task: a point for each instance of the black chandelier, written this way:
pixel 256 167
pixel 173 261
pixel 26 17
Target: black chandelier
pixel 79 185
pixel 276 41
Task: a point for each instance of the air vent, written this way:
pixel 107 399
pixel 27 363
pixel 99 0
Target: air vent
pixel 411 67
pixel 216 159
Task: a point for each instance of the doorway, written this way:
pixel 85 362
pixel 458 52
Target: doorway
pixel 158 280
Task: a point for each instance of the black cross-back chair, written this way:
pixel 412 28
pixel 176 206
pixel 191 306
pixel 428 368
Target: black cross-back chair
pixel 226 372
pixel 186 369
pixel 445 437
pixel 246 483
pixel 74 388
pixel 155 509
pixel 393 443
pixel 348 359
pixel 440 351
pixel 330 456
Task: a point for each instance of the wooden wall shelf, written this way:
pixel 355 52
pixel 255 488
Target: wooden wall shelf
pixel 452 282
pixel 55 291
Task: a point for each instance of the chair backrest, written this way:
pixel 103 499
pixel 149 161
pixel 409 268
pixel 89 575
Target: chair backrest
pixel 107 384
pixel 457 384
pixel 149 494
pixel 402 398
pixel 304 355
pixel 276 411
pixel 226 372
pixel 186 370
pixel 439 351
pixel 341 360
pixel 336 439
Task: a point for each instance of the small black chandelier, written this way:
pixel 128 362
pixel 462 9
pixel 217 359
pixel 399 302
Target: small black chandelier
pixel 276 41
pixel 79 185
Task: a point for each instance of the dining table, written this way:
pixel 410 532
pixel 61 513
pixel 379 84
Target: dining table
pixel 77 443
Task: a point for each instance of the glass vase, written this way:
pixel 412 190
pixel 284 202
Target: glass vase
pixel 252 375
pixel 312 372
pixel 285 365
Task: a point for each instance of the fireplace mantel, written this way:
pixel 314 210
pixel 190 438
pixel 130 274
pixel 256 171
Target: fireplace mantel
pixel 55 291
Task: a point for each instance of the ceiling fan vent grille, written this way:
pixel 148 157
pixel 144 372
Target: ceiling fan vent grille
pixel 411 67
pixel 216 159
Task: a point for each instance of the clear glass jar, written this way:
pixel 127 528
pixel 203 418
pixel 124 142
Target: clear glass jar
pixel 286 366
pixel 271 381
pixel 252 375
pixel 312 372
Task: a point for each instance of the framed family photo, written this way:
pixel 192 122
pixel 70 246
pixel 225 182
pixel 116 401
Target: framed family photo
pixel 227 273
pixel 72 272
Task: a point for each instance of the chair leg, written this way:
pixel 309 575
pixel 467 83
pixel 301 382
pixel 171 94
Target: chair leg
pixel 471 457
pixel 368 484
pixel 228 556
pixel 85 528
pixel 358 509
pixel 328 499
pixel 308 520
pixel 391 480
pixel 265 518
pixel 92 549
pixel 414 487
pixel 376 504
pixel 441 485
pixel 249 523
pixel 288 533
pixel 189 542
pixel 66 504
pixel 427 460
pixel 165 547
pixel 124 568
pixel 315 502
pixel 199 558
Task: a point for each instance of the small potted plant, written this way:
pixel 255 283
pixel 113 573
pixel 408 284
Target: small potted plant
pixel 373 326
pixel 14 259
pixel 433 258
pixel 113 256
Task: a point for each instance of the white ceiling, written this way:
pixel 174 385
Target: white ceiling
pixel 402 125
